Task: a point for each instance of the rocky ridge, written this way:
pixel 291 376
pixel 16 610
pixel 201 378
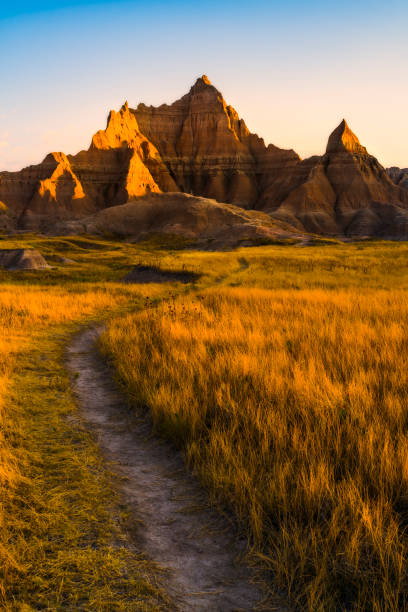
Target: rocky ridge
pixel 344 192
pixel 209 150
pixel 199 145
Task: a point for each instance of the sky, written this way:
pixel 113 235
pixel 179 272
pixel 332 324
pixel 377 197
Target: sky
pixel 291 68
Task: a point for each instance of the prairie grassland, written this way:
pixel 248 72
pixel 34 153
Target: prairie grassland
pixel 246 381
pixel 291 405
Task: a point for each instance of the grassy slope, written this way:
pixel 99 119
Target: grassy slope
pixel 290 402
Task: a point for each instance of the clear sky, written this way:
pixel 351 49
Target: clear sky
pixel 291 68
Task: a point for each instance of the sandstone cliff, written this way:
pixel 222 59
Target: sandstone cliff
pixel 117 167
pixel 51 188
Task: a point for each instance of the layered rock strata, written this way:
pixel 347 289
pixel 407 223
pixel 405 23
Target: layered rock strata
pixel 199 145
pixel 346 191
pixel 209 149
pixel 118 166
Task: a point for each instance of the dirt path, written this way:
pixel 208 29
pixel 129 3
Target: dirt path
pixel 179 532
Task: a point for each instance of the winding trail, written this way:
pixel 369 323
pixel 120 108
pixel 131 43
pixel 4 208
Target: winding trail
pixel 180 532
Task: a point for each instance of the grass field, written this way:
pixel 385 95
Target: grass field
pixel 282 374
pixel 63 531
pixel 286 386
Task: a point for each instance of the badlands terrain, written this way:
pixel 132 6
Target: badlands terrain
pixel 203 371
pixel 199 146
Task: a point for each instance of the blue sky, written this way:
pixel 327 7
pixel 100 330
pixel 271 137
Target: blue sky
pixel 291 69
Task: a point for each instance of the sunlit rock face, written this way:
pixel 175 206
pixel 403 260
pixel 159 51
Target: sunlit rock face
pixel 137 157
pixel 51 189
pixel 117 167
pixel 197 145
pixel 200 146
pixel 209 149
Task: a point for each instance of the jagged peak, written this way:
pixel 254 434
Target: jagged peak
pixel 204 79
pixel 124 109
pixel 232 112
pixel 203 82
pixel 344 139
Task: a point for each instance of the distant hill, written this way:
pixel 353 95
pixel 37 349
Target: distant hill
pixel 206 222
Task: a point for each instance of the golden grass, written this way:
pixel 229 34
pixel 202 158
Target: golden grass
pixel 289 403
pixel 62 545
pixel 24 311
pixel 292 408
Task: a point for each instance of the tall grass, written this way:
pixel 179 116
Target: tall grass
pixel 289 403
pixel 24 311
pixel 292 408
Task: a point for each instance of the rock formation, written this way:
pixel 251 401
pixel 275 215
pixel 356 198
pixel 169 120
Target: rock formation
pixel 346 191
pixel 200 146
pixel 138 160
pixel 197 145
pixel 116 167
pixel 205 222
pixel 209 149
pixel 49 189
pixel 399 176
pixel 22 259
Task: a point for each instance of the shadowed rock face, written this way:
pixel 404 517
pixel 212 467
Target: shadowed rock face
pixel 200 146
pixel 399 176
pixel 202 220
